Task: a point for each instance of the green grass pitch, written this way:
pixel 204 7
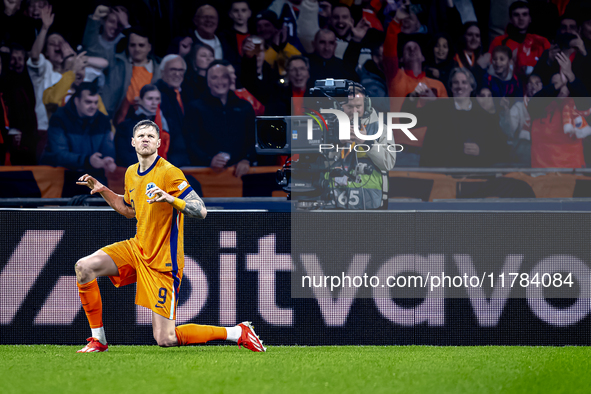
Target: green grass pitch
pixel 305 370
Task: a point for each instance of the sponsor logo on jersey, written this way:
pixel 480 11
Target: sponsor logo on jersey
pixel 150 186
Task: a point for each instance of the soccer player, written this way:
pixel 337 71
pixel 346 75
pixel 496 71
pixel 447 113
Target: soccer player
pixel 159 196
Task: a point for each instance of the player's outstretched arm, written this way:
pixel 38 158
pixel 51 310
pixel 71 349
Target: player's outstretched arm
pixel 114 200
pixel 192 205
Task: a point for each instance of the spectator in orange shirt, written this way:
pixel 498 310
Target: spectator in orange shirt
pixel 406 51
pixel 551 145
pixel 130 71
pixel 402 81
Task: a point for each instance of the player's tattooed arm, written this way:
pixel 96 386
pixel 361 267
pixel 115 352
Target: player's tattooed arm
pixel 115 200
pixel 194 207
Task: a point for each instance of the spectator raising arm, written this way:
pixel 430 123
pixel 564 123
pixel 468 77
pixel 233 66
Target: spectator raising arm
pixel 391 65
pixel 575 86
pixel 445 18
pixel 113 22
pixel 257 76
pixel 90 39
pixel 100 12
pixel 353 51
pixel 47 20
pixel 308 24
pixel 57 93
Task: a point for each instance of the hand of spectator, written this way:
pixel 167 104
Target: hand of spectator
pixel 484 60
pixel 218 163
pixel 17 136
pixel 420 89
pixel 122 16
pixel 435 72
pixel 109 164
pixel 66 49
pixel 281 38
pixel 46 17
pixel 504 105
pixel 242 168
pixel 96 161
pixel 578 44
pixel 100 12
pixel 79 62
pixel 324 8
pixel 425 91
pixel 563 90
pixel 565 66
pixel 552 52
pixel 426 96
pixel 358 32
pixel 248 47
pixel 471 148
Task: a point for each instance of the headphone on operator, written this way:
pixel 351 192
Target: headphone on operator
pixel 358 88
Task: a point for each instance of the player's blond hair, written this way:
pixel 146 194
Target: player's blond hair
pixel 146 123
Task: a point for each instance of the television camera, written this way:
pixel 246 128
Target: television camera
pixel 308 175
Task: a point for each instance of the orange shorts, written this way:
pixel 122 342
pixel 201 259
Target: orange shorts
pixel 156 290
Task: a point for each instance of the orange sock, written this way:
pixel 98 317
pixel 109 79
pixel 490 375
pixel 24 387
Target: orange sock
pixel 90 295
pixel 188 334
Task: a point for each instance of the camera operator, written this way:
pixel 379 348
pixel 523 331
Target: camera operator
pixel 361 180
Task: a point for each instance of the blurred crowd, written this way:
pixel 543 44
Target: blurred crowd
pixel 75 77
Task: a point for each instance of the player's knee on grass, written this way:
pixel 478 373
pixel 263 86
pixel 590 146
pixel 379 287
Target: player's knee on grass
pixel 165 339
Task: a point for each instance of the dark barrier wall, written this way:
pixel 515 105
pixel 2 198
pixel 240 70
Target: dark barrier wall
pixel 238 268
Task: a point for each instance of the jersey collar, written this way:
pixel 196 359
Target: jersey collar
pixel 149 169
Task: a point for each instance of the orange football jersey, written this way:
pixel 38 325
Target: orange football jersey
pixel 159 225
